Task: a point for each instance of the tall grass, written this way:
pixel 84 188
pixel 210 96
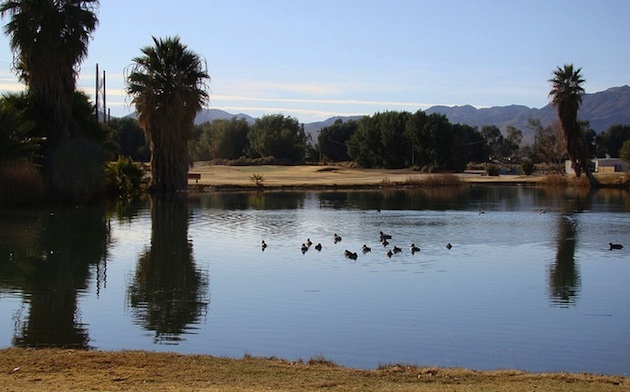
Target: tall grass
pixel 559 180
pixel 22 184
pixel 554 180
pixel 443 179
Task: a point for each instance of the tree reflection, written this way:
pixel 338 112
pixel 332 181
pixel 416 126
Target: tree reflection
pixel 49 261
pixel 168 292
pixel 564 276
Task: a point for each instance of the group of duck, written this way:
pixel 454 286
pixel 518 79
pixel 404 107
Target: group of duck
pixel 384 240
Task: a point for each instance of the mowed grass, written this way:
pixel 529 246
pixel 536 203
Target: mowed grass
pixel 70 370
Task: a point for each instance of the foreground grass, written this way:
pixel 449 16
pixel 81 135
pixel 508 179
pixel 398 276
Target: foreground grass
pixel 70 370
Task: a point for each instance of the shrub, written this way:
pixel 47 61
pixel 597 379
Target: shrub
pixel 257 179
pixel 492 170
pixel 124 178
pixel 528 168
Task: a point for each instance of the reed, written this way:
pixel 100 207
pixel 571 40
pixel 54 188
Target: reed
pixel 437 180
pixel 554 180
pixel 23 184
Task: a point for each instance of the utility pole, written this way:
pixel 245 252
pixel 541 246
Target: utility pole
pixel 104 102
pixel 96 92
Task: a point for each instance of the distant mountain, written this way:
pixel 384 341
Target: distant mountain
pixel 603 109
pixel 314 127
pixel 209 115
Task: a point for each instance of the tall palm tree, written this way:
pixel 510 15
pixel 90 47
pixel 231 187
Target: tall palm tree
pixel 566 95
pixel 168 86
pixel 49 39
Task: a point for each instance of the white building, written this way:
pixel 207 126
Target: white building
pixel 603 165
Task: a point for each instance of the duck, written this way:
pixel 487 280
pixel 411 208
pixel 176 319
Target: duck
pixel 308 242
pixel 413 248
pixel 541 211
pixel 263 245
pixel 449 246
pixel 396 249
pixel 350 255
pixel 337 238
pixel 389 253
pixel 385 236
pixel 615 246
pixel 304 248
pixel 365 249
pixel 318 247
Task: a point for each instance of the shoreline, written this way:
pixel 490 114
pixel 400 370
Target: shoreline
pixel 26 369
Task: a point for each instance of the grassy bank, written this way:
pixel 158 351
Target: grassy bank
pixel 70 370
pixel 311 176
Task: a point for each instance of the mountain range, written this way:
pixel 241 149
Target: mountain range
pixel 602 109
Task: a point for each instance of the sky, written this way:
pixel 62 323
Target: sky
pixel 315 59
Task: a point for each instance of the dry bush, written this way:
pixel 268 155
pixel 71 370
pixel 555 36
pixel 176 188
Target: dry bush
pixel 25 182
pixel 444 179
pixel 557 180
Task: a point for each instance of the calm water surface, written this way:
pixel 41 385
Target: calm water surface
pixel 519 289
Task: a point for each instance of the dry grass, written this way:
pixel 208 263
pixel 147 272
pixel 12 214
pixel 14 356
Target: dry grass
pixel 23 184
pixel 554 180
pixel 69 370
pixel 445 179
pixel 305 176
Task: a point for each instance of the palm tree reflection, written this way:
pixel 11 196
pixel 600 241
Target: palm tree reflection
pixel 564 276
pixel 168 292
pixel 51 267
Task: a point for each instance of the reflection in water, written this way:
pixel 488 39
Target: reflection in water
pixel 49 264
pixel 168 292
pixel 564 277
pixel 261 200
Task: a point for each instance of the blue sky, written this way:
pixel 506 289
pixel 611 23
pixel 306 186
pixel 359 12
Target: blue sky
pixel 313 59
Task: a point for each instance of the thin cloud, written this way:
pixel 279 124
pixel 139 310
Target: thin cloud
pixel 313 114
pixel 321 101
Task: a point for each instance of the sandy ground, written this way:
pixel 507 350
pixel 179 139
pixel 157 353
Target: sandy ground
pixel 325 176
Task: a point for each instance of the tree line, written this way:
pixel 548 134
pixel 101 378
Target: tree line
pixel 385 140
pixel 51 129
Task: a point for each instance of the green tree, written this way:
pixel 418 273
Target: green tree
pixel 610 141
pixel 49 40
pixel 380 140
pixel 566 95
pixel 468 146
pixel 227 139
pixel 437 137
pixel 16 142
pixel 413 132
pixel 624 151
pixel 547 146
pixel 129 137
pixel 278 136
pixel 168 86
pixel 494 141
pixel 332 140
pixel 512 141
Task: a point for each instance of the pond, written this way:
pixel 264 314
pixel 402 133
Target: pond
pixel 529 283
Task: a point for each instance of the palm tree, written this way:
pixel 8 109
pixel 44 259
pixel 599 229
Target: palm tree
pixel 566 95
pixel 168 86
pixel 49 40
